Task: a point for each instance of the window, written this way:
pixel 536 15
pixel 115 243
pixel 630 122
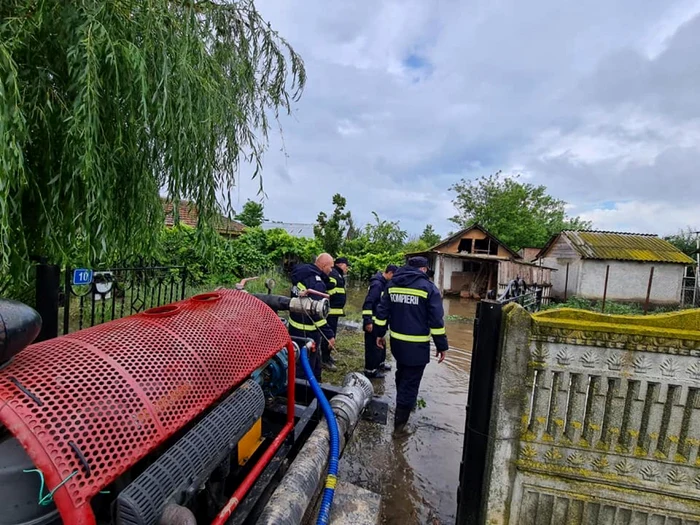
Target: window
pixel 481 246
pixel 465 245
pixel 485 246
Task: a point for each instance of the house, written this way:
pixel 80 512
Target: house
pixel 303 231
pixel 187 214
pixel 629 262
pixel 473 261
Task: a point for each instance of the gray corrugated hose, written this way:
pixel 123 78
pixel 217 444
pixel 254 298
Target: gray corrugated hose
pixel 303 480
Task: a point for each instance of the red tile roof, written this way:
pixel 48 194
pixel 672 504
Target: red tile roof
pixel 187 214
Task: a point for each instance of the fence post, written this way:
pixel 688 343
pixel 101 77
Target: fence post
pixel 184 282
pixel 605 289
pixel 485 354
pixel 48 277
pixel 67 293
pixel 651 278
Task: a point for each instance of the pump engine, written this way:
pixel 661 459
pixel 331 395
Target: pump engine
pixel 156 418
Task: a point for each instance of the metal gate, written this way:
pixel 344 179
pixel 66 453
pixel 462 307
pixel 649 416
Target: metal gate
pixel 69 300
pixel 487 326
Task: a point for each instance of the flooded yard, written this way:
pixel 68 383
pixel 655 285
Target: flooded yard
pixel 417 475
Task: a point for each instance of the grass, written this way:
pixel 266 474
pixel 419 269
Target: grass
pixel 349 356
pixel 611 307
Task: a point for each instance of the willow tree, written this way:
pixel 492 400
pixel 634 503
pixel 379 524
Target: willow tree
pixel 107 104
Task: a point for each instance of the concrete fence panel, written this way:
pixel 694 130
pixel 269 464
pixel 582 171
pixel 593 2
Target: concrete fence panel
pixel 595 419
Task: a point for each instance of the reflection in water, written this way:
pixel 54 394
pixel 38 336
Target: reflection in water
pixel 417 475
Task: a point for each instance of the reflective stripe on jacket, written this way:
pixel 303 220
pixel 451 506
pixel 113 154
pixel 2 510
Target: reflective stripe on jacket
pixel 411 307
pixel 337 291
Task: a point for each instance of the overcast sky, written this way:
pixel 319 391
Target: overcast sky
pixel 597 100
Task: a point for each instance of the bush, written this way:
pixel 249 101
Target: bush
pixel 229 260
pixel 365 266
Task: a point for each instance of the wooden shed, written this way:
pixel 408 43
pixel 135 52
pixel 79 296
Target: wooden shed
pixel 473 261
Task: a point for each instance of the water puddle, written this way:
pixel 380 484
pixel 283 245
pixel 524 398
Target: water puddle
pixel 417 475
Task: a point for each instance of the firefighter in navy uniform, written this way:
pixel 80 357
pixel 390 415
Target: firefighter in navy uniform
pixel 311 277
pixel 375 356
pixel 411 307
pixel 337 303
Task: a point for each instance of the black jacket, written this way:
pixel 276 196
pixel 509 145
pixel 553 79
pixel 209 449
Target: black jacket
pixel 411 306
pixel 308 276
pixel 337 291
pixel 369 308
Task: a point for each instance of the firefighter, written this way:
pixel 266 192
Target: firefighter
pixel 338 298
pixel 312 277
pixel 375 356
pixel 411 308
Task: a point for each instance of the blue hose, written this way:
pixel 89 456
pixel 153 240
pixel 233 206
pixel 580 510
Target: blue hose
pixel 324 514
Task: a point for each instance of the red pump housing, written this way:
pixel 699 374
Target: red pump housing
pixel 89 405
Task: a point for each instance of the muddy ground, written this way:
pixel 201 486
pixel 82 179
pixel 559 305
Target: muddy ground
pixel 417 474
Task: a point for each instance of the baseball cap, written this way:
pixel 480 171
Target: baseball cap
pixel 418 262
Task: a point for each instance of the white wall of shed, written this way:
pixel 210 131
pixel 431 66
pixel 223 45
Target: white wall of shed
pixel 559 278
pixel 628 281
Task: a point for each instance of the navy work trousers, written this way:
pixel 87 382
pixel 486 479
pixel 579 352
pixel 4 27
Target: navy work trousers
pixel 373 353
pixel 408 380
pixel 326 351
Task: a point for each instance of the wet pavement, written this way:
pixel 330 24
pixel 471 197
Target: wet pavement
pixel 417 474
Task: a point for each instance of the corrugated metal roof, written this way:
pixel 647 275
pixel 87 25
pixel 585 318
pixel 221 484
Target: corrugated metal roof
pixel 304 231
pixel 615 246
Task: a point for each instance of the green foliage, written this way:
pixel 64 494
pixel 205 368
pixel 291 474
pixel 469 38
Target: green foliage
pixel 685 240
pixel 416 244
pixel 228 260
pixel 519 214
pixel 384 236
pixel 365 266
pixel 429 236
pixel 284 248
pixel 103 103
pixel 252 215
pixel 330 232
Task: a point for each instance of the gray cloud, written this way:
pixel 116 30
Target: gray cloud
pixel 597 100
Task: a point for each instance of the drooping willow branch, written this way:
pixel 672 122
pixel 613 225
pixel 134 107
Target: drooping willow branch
pixel 106 103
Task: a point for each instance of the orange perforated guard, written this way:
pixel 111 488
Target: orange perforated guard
pixel 97 401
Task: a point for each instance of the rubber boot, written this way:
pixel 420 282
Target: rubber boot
pixel 400 419
pixel 327 362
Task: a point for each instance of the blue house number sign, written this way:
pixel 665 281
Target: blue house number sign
pixel 82 276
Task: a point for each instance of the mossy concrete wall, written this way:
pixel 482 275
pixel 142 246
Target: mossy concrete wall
pixel 596 419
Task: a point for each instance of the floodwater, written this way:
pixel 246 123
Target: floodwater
pixel 417 474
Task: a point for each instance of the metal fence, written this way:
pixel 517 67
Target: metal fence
pixel 111 293
pixel 531 298
pixel 118 292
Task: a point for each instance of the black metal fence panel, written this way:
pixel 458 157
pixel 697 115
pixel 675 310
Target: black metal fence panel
pixel 118 292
